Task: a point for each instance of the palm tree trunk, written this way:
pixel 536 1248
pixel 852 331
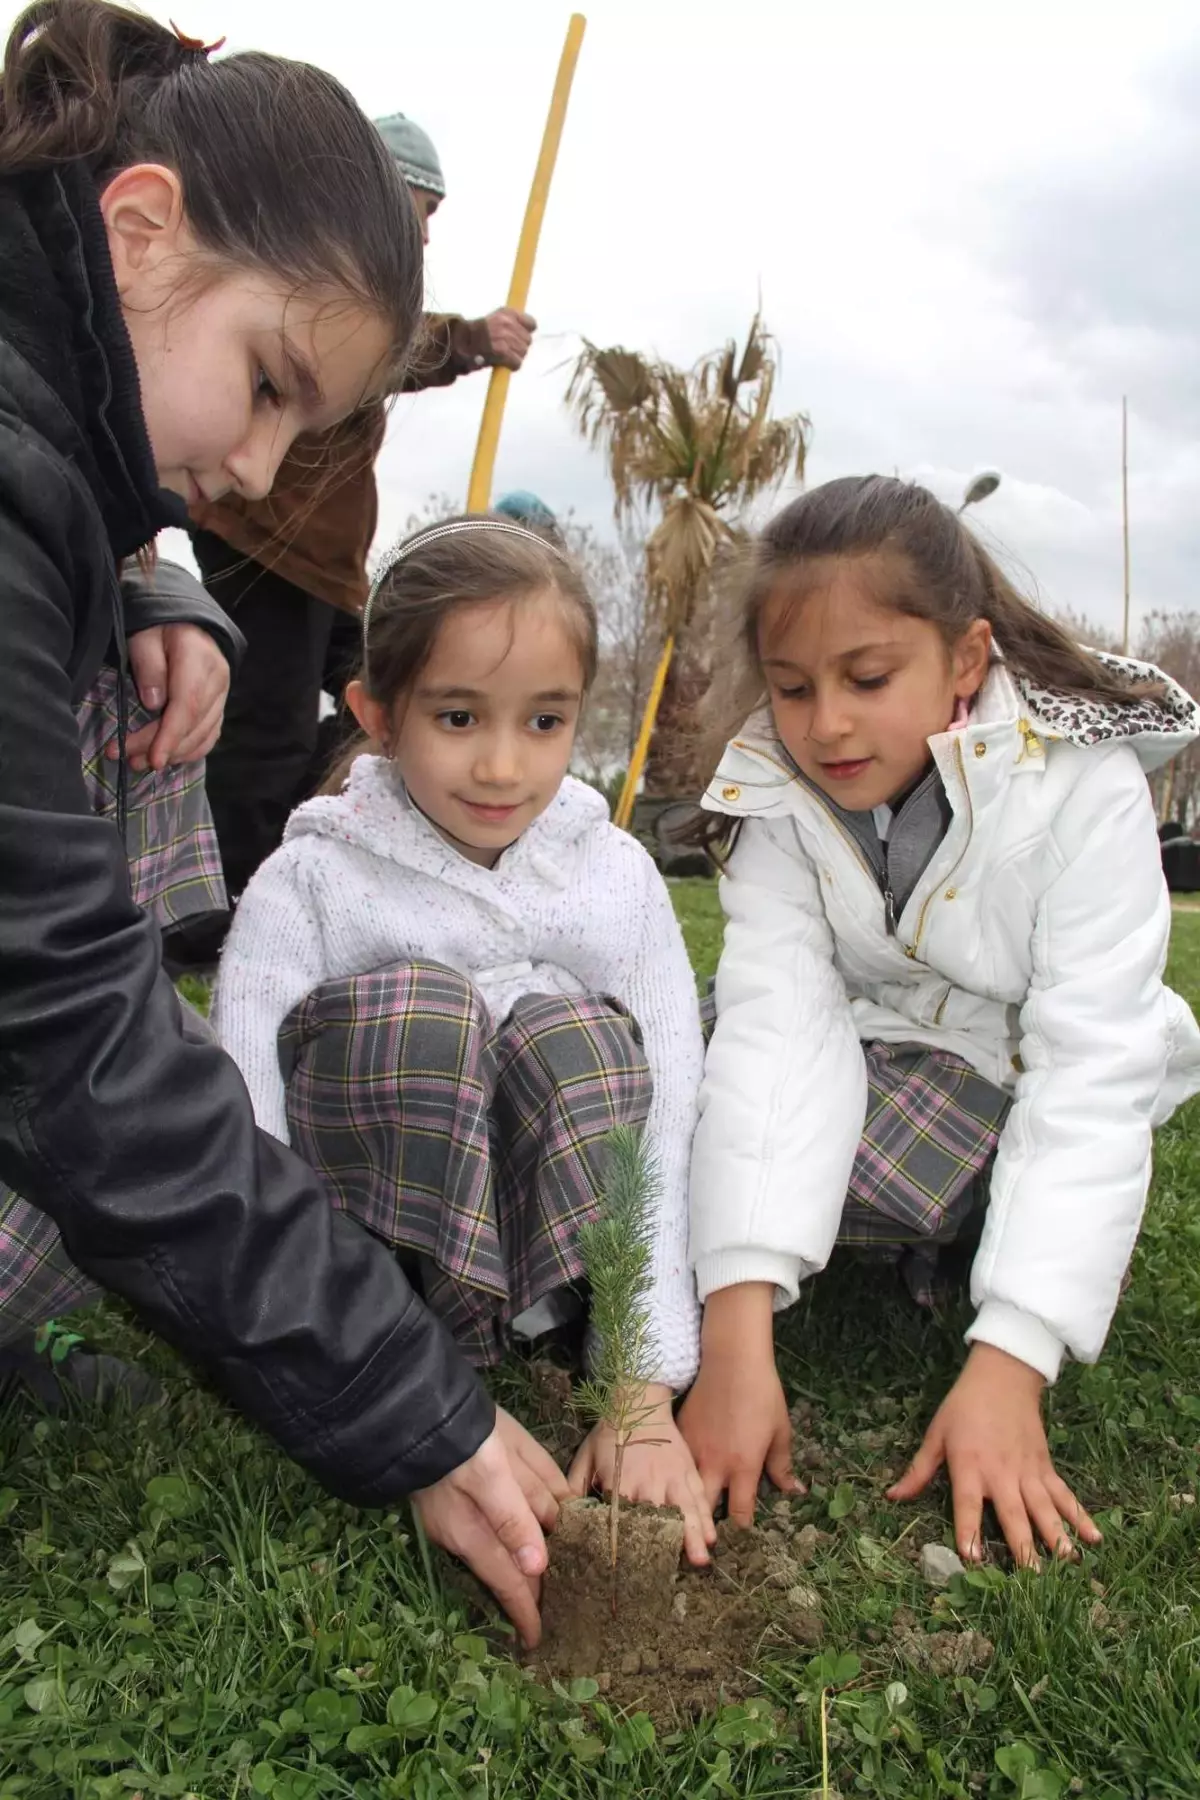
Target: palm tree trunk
pixel 675 766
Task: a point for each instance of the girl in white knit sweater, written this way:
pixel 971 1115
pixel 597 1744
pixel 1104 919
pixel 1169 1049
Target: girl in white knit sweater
pixel 456 976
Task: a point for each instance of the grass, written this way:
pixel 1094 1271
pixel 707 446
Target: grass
pixel 182 1612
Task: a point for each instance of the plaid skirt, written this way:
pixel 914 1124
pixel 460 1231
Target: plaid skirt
pixel 930 1134
pixel 475 1148
pixel 174 871
pixel 174 862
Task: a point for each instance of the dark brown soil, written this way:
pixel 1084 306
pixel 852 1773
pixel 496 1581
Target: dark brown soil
pixel 683 1640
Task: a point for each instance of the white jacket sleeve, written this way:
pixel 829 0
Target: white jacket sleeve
pixel 1073 1165
pixel 784 1092
pixel 659 989
pixel 273 958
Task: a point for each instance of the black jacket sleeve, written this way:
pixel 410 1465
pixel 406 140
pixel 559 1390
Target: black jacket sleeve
pixel 141 1144
pixel 168 595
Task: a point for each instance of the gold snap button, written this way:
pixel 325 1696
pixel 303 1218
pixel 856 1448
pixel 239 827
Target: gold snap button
pixel 731 793
pixel 1018 1065
pixel 981 749
pixel 952 893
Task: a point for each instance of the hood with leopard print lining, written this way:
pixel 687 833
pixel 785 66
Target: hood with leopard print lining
pixel 1156 726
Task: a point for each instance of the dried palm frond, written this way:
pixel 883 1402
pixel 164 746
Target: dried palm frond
pixel 679 555
pixel 695 445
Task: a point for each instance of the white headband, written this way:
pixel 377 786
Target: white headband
pixel 450 529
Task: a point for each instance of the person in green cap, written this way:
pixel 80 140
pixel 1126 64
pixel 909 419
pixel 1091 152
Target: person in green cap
pixel 291 570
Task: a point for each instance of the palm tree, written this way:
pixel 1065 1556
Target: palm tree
pixel 695 447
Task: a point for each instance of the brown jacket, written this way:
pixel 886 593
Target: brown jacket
pixel 316 525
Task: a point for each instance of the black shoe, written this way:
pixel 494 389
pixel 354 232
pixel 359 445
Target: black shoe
pixel 55 1368
pixel 194 946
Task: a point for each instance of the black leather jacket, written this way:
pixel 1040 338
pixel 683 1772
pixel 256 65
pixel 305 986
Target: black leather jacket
pixel 140 1144
pixel 169 595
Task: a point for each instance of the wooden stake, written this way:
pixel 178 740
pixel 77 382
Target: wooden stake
pixel 1125 514
pixel 637 762
pixel 480 490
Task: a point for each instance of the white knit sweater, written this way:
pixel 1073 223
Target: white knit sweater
pixel 574 907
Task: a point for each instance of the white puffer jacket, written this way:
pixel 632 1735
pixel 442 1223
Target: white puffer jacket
pixel 1032 947
pixel 574 907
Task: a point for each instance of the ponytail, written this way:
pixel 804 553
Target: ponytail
pixel 1038 649
pixel 72 74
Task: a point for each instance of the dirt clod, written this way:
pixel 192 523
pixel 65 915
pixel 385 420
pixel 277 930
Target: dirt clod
pixel 805 1544
pixel 681 1637
pixel 946 1652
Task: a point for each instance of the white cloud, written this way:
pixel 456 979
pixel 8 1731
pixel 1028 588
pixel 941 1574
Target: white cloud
pixel 865 167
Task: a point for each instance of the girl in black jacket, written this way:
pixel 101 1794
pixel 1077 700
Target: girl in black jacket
pixel 198 261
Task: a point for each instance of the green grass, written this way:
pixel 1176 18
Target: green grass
pixel 182 1612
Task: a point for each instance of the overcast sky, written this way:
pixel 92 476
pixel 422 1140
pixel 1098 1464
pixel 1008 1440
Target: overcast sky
pixel 972 227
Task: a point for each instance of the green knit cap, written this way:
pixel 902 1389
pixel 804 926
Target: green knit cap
pixel 415 155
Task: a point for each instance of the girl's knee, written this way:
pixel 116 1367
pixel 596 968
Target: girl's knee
pixel 570 1044
pixel 403 1003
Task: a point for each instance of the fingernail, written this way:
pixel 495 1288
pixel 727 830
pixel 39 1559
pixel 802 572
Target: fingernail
pixel 529 1560
pixel 152 699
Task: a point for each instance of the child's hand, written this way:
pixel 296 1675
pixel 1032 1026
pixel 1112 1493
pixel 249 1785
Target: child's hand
pixel 182 675
pixel 989 1433
pixel 541 1480
pixel 735 1419
pixel 658 1468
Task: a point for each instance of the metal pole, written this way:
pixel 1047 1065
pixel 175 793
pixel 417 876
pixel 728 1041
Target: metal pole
pixel 480 490
pixel 1125 514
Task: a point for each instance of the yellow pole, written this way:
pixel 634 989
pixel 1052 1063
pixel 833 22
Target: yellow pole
pixel 480 491
pixel 637 762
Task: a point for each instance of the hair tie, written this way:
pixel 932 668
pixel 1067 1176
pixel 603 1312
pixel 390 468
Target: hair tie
pixel 451 529
pixel 196 46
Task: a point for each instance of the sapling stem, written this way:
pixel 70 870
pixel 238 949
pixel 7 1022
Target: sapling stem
pixel 616 1250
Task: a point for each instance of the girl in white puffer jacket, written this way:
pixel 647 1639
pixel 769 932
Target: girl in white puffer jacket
pixel 941 984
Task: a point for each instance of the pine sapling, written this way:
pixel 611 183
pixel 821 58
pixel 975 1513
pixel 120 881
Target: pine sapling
pixel 616 1250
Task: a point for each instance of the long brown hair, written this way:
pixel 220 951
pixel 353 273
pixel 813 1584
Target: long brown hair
pixel 932 567
pixel 444 569
pixel 280 169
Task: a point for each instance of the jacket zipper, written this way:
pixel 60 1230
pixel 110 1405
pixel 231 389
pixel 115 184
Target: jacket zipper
pixel 910 950
pixel 889 899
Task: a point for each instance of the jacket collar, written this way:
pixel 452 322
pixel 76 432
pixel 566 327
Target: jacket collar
pixel 65 348
pixel 755 777
pixel 374 812
pixel 1011 725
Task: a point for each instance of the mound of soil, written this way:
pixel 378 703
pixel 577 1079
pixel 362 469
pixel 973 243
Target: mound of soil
pixel 682 1640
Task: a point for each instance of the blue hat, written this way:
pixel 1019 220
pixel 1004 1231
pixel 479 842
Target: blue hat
pixel 415 155
pixel 526 509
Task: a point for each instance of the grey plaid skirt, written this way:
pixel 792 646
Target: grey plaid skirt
pixel 174 861
pixel 475 1148
pixel 174 871
pixel 930 1134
